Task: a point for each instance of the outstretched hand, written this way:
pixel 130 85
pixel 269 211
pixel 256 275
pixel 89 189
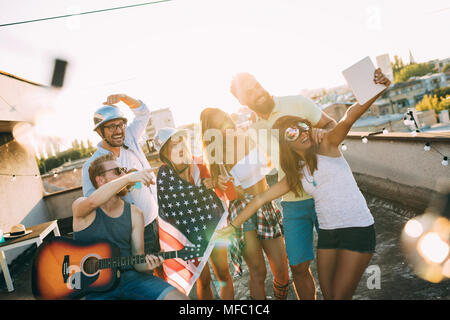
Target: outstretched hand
pixel 144 176
pixel 223 234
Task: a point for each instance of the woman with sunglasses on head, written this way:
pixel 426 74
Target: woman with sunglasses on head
pixel 175 153
pixel 247 167
pixel 346 237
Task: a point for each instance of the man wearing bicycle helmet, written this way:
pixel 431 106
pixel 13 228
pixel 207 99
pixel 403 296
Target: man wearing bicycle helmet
pixel 122 139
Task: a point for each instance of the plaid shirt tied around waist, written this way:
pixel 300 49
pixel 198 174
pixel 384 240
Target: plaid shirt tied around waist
pixel 269 226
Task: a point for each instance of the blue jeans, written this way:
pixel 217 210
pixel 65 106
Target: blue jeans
pixel 299 220
pixel 135 285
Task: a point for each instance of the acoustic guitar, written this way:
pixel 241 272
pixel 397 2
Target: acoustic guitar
pixel 69 269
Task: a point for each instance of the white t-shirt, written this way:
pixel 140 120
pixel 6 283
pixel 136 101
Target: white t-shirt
pixel 142 198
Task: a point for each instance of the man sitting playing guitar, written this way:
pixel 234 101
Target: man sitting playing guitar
pixel 105 216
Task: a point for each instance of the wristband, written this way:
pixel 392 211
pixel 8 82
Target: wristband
pixel 234 227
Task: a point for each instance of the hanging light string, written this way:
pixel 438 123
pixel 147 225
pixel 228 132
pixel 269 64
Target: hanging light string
pixel 427 146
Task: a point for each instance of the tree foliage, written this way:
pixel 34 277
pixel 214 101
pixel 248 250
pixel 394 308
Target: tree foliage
pixel 412 70
pixel 78 151
pixel 430 102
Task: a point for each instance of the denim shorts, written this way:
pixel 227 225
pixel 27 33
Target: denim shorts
pixel 151 237
pixel 299 220
pixel 135 285
pixel 360 239
pixel 251 224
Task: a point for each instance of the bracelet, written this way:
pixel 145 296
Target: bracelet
pixel 235 228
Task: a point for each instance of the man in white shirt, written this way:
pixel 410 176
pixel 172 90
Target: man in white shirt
pixel 122 140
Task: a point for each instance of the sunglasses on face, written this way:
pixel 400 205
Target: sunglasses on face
pixel 117 170
pixel 293 132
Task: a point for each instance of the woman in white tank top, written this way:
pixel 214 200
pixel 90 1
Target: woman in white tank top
pixel 346 239
pixel 263 233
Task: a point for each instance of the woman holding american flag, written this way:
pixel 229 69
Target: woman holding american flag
pixel 175 152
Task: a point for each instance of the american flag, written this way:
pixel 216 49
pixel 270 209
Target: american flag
pixel 188 215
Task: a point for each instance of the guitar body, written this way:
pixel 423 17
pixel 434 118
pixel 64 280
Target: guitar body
pixel 68 269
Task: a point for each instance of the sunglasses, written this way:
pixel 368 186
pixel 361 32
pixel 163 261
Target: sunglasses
pixel 117 170
pixel 293 132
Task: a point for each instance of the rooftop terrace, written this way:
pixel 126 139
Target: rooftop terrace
pixel 398 178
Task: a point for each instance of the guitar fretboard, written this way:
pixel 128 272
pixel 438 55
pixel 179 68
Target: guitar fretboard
pixel 118 262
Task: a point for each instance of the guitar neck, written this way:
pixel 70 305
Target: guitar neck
pixel 117 262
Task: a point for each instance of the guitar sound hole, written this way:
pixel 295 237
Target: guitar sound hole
pixel 90 265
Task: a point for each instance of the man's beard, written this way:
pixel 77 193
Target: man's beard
pixel 123 192
pixel 114 144
pixel 265 107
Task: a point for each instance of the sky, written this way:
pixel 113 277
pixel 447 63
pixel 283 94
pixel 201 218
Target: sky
pixel 182 54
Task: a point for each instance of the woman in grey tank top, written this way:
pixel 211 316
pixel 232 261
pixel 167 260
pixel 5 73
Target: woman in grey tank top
pixel 346 239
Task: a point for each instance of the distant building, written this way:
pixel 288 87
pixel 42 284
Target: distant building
pixel 337 110
pixel 403 95
pixel 394 122
pixel 64 177
pixel 439 64
pixel 159 119
pixel 391 122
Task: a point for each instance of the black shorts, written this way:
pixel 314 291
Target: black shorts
pixel 360 239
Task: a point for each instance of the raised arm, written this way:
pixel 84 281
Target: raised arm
pixel 140 110
pixel 85 205
pixel 335 137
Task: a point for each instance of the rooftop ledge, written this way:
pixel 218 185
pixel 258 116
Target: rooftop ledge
pixel 402 136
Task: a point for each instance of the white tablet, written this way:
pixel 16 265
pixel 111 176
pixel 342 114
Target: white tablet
pixel 359 78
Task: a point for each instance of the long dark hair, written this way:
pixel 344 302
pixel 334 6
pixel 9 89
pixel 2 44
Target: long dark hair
pixel 291 162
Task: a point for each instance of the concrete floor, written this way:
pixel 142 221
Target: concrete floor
pixel 398 280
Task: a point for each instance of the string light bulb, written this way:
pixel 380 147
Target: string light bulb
pixel 445 161
pixel 414 133
pixel 343 147
pixel 13 178
pixel 364 140
pixel 385 131
pixel 427 147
